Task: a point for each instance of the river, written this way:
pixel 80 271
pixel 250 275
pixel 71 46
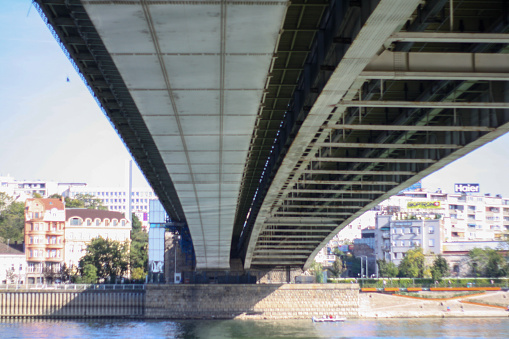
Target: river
pixel 383 328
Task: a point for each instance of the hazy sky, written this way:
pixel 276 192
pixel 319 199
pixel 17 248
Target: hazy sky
pixel 52 129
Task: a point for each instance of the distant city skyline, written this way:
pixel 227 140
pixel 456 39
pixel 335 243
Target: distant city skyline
pixel 53 129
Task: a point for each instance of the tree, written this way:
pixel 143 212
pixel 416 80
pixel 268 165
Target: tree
pixel 487 263
pixel 440 268
pixel 138 273
pixel 316 269
pixel 338 267
pixel 89 275
pixel 85 201
pixel 139 246
pixel 37 195
pixel 387 269
pixel 12 219
pixel 413 264
pixel 109 257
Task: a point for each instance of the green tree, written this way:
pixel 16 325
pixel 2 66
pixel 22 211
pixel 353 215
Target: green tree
pixel 387 269
pixel 487 262
pixel 440 268
pixel 316 269
pixel 109 257
pixel 138 274
pixel 55 196
pixel 12 219
pixel 89 275
pixel 139 246
pixel 338 267
pixel 413 264
pixel 85 201
pixel 37 195
pixel 5 200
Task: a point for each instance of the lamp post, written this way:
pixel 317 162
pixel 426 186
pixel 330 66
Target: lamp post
pixel 175 250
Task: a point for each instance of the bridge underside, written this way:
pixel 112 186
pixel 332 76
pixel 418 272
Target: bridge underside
pixel 336 105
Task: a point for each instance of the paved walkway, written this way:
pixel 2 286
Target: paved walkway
pixel 378 305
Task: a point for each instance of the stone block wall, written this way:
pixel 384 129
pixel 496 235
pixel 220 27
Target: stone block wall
pixel 260 301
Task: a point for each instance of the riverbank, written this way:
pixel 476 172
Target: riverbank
pixel 381 305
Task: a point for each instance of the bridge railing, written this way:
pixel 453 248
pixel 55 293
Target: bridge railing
pixel 76 287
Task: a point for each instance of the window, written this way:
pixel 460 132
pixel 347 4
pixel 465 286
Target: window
pixel 123 223
pixel 431 242
pixel 89 222
pixel 97 222
pixel 115 222
pixel 76 222
pixel 106 222
pixel 431 229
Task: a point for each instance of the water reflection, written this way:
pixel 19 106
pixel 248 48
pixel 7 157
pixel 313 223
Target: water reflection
pixel 126 329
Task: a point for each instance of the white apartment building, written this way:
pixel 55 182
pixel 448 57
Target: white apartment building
pixel 393 237
pixel 13 265
pixel 115 198
pixel 465 217
pixel 21 190
pixel 83 225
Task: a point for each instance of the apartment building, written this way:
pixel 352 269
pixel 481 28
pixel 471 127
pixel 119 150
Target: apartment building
pixel 116 198
pixel 44 237
pixel 466 217
pixel 12 264
pixel 393 237
pixel 83 225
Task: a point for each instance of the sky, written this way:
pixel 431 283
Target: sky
pixel 52 129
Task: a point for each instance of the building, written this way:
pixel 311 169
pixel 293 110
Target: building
pixel 44 238
pixel 466 217
pixel 13 264
pixel 394 237
pixel 21 190
pixel 115 198
pixel 83 225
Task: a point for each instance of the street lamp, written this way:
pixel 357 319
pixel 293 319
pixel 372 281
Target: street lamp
pixel 175 250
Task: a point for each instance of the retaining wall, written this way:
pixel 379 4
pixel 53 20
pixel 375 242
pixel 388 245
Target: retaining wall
pixel 71 304
pixel 259 301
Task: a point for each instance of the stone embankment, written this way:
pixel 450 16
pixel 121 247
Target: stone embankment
pixel 261 301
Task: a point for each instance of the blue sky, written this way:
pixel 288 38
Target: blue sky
pixel 52 129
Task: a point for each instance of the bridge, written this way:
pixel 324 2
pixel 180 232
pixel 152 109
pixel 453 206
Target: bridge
pixel 266 126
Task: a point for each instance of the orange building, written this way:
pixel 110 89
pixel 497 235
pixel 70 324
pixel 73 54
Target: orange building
pixel 44 238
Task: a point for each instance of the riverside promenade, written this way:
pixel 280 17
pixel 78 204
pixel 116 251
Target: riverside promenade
pixel 438 304
pixel 253 301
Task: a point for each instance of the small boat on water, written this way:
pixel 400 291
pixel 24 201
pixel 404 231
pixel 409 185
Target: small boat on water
pixel 328 319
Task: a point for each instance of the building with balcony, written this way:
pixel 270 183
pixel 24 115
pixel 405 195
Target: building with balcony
pixel 44 238
pixel 394 237
pixel 83 225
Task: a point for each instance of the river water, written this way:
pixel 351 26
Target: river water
pixel 383 328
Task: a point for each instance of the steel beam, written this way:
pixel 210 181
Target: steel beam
pixel 327 199
pixel 282 236
pixel 347 172
pixel 424 104
pixel 321 206
pixel 412 128
pixel 299 220
pixel 372 160
pixel 307 190
pixel 346 182
pixel 437 66
pixel 395 146
pixel 310 213
pixel 433 37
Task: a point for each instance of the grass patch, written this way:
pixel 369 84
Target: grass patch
pixel 437 295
